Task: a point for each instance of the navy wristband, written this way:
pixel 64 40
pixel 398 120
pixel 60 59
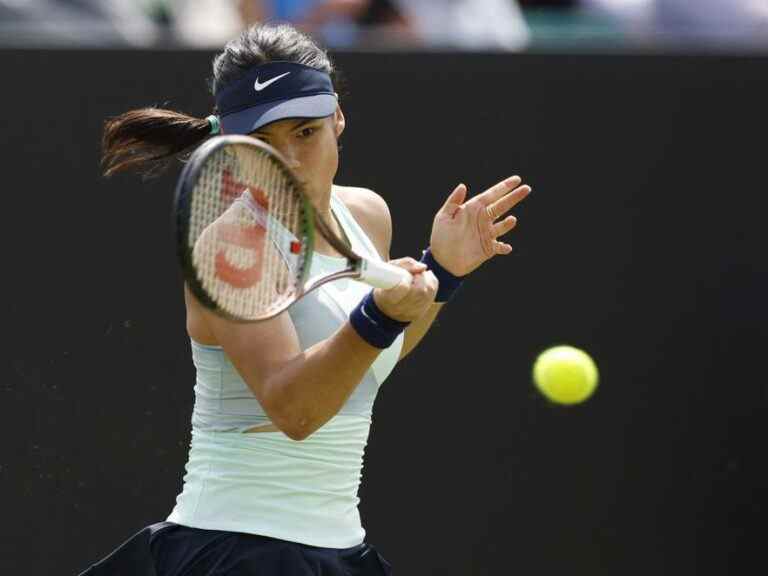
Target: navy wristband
pixel 372 325
pixel 448 282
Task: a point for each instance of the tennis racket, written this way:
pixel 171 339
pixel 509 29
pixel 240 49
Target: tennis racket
pixel 245 232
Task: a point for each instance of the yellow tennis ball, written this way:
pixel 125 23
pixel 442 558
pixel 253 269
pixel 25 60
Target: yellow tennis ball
pixel 565 375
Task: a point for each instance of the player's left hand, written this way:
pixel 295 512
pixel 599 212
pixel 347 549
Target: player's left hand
pixel 465 233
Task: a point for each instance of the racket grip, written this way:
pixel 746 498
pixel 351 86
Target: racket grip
pixel 382 274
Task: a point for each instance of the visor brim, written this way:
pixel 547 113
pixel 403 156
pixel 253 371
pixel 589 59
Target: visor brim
pixel 250 119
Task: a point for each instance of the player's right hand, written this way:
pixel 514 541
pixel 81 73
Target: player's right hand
pixel 408 302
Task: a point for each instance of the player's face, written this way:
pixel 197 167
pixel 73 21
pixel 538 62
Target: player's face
pixel 311 148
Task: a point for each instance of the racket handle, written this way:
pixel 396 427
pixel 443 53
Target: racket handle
pixel 382 274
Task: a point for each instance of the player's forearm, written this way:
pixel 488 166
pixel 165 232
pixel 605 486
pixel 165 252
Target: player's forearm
pixel 419 328
pixel 308 390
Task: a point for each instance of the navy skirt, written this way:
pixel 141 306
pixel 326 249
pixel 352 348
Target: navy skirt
pixel 168 549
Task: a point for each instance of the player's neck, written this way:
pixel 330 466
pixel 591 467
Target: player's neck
pixel 323 207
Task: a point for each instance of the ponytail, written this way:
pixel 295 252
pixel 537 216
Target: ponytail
pixel 145 139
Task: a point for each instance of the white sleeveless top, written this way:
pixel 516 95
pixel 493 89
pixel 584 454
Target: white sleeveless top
pixel 265 483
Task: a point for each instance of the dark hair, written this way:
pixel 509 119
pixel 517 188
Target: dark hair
pixel 146 139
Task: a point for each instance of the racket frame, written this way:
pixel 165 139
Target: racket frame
pixel 378 274
pixel 183 205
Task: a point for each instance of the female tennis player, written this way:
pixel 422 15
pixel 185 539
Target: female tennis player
pixel 283 407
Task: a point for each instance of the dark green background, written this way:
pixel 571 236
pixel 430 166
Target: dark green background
pixel 643 242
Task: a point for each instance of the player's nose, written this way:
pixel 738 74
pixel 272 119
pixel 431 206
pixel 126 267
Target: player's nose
pixel 291 156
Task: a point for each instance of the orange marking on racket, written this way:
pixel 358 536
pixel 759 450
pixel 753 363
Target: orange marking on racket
pixel 232 189
pixel 251 238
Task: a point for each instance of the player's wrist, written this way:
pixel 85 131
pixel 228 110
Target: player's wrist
pixel 373 325
pixel 449 283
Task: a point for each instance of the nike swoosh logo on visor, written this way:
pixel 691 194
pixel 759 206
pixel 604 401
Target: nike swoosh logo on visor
pixel 259 86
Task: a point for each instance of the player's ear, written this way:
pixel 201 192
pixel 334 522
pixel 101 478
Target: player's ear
pixel 339 122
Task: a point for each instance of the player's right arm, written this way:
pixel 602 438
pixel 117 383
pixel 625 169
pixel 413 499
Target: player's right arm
pixel 300 390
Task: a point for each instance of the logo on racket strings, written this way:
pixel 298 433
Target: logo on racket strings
pixel 231 189
pixel 235 234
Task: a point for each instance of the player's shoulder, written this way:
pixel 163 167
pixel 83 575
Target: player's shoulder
pixel 371 212
pixel 362 202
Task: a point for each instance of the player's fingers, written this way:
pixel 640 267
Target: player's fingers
pixel 498 190
pixel 432 284
pixel 501 228
pixel 418 283
pixel 455 200
pixel 417 288
pixel 500 207
pixel 501 247
pixel 413 266
pixel 422 292
pixel 399 292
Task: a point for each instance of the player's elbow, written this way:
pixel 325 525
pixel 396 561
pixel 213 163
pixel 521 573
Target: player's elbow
pixel 290 417
pixel 295 428
pixel 298 432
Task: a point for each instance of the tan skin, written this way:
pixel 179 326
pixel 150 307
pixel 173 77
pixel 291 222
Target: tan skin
pixel 300 390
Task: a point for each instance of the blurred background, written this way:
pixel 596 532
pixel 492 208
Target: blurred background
pixel 641 125
pixel 390 24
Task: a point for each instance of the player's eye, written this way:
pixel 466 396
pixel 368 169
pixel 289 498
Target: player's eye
pixel 307 131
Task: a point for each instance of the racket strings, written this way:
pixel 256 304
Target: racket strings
pixel 244 217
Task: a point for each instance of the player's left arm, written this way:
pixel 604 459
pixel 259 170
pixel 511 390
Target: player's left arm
pixel 465 234
pixel 372 213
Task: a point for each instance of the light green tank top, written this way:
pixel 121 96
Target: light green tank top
pixel 266 483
